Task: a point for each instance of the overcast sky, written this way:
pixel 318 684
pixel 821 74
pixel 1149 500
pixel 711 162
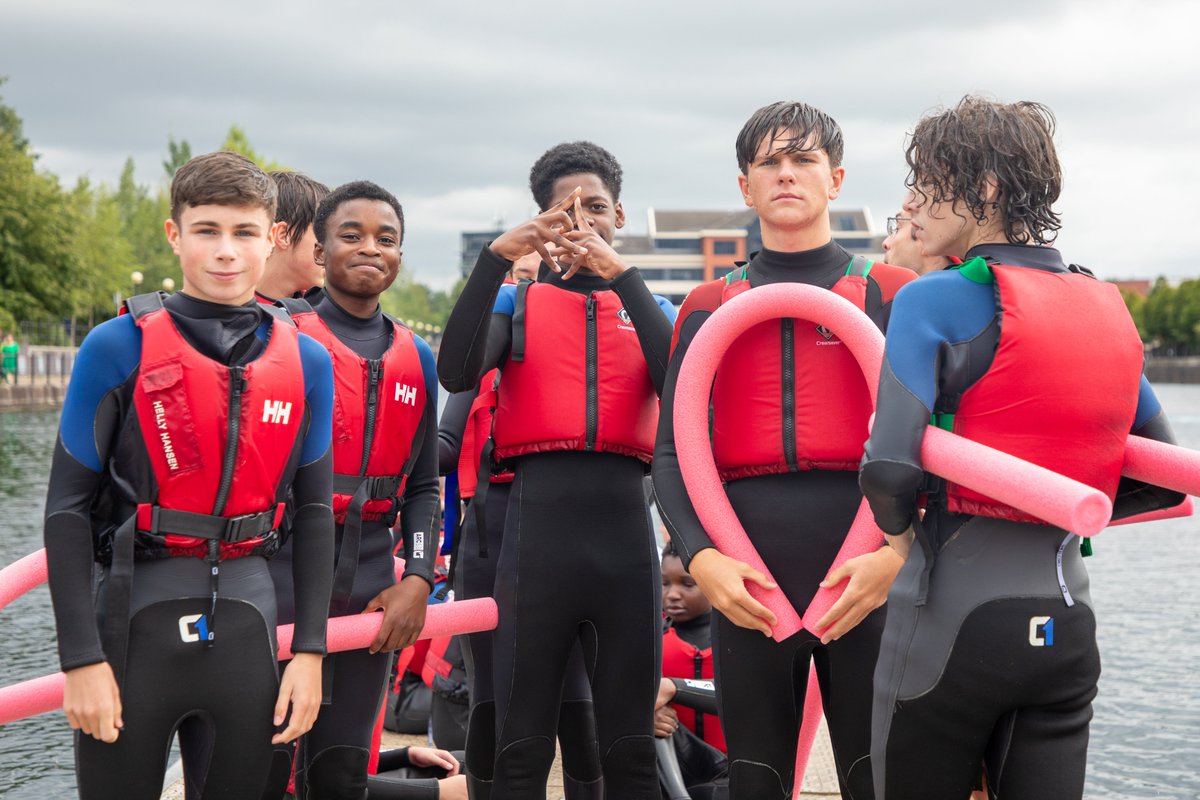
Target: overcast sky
pixel 448 104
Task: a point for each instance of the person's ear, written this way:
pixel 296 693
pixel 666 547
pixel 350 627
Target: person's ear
pixel 172 231
pixel 744 187
pixel 319 254
pixel 620 212
pixel 837 175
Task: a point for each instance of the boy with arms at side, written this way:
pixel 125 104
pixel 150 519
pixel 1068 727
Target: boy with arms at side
pixel 385 467
pixel 188 422
pixel 789 459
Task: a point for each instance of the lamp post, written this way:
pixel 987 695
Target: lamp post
pixel 136 277
pixel 168 285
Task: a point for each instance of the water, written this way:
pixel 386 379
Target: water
pixel 1145 734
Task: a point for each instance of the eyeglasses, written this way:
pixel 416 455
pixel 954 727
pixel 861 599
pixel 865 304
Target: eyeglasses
pixel 893 224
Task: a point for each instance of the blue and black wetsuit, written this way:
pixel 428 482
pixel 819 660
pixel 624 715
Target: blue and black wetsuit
pixel 221 698
pixel 578 560
pixel 797 521
pixel 989 651
pixel 333 755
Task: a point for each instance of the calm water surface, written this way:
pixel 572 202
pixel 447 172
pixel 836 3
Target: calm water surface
pixel 1145 737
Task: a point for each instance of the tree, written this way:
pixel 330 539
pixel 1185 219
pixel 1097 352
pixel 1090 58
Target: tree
pixel 179 153
pixel 142 215
pixel 237 141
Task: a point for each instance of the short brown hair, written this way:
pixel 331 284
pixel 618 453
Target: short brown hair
pixel 221 179
pixel 952 154
pixel 803 123
pixel 299 196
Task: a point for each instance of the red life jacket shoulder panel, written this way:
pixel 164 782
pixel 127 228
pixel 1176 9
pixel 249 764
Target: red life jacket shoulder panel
pixel 183 404
pixel 788 395
pixel 1067 369
pixel 581 382
pixel 475 436
pixel 681 660
pixel 377 410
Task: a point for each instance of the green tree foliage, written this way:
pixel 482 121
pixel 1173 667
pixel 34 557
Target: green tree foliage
pixel 1170 318
pixel 142 214
pixel 179 153
pixel 409 300
pixel 237 141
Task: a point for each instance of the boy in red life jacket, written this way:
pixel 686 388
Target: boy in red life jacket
pixel 385 468
pixel 687 651
pixel 188 423
pixel 292 268
pixel 581 353
pixel 989 654
pixel 789 459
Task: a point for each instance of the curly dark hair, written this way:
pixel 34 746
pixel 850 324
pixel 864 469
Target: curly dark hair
pixel 800 121
pixel 572 158
pixel 953 154
pixel 355 190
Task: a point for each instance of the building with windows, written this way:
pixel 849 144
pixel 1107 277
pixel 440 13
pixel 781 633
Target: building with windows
pixel 682 249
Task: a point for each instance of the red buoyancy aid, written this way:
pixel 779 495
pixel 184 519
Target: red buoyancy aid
pixel 218 438
pixel 475 436
pixel 1062 389
pixel 788 395
pixel 377 409
pixel 681 660
pixel 576 378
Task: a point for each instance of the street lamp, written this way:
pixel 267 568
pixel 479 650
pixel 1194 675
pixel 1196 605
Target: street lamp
pixel 136 277
pixel 168 285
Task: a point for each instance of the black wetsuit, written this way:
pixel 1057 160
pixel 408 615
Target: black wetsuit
pixel 969 672
pixel 220 697
pixel 475 576
pixel 334 754
pixel 797 521
pixel 578 562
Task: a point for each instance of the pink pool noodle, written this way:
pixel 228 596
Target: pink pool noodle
pixel 864 537
pixel 808 728
pixel 1162 464
pixel 691 410
pixel 22 575
pixel 354 632
pixel 1184 509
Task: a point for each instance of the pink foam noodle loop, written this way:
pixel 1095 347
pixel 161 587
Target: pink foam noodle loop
pixel 40 695
pixel 864 537
pixel 22 575
pixel 696 374
pixel 1057 499
pixel 1166 465
pixel 813 712
pixel 1184 509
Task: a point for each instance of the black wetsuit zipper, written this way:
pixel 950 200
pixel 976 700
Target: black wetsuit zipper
pixel 237 385
pixel 592 390
pixel 374 375
pixel 789 393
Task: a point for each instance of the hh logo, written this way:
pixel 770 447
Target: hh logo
pixel 276 411
pixel 406 394
pixel 1041 631
pixel 194 627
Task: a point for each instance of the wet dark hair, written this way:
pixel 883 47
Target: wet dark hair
pixel 223 178
pixel 355 190
pixel 299 196
pixel 572 158
pixel 952 154
pixel 800 121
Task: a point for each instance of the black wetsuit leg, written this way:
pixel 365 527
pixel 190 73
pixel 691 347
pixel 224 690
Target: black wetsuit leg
pixel 219 689
pixel 797 522
pixel 333 756
pixel 576 720
pixel 578 562
pixel 994 668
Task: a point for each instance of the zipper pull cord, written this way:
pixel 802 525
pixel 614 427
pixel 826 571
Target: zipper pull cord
pixel 214 563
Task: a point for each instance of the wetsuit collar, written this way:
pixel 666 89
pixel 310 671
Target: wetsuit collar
pixel 369 337
pixel 696 632
pixel 221 332
pixel 581 282
pixel 820 266
pixel 1019 255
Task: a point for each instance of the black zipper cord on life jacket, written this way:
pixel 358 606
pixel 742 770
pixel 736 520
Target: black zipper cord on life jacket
pixel 237 386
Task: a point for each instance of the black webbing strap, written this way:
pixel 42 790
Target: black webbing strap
pixel 517 351
pixel 118 597
pixel 140 305
pixel 366 489
pixel 208 526
pixel 479 501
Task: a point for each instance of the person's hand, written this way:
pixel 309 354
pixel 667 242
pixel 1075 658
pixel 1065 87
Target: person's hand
pixel 599 256
pixel 723 581
pixel 433 757
pixel 533 235
pixel 870 577
pixel 92 701
pixel 665 722
pixel 403 605
pixel 666 692
pixel 454 788
pixel 300 688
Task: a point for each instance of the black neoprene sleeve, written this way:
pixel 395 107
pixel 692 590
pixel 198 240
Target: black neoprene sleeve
pixel 312 552
pixel 465 341
pixel 1135 497
pixel 419 506
pixel 699 694
pixel 653 328
pixel 451 428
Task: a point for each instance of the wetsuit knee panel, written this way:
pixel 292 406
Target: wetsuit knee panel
pixel 751 779
pixel 337 773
